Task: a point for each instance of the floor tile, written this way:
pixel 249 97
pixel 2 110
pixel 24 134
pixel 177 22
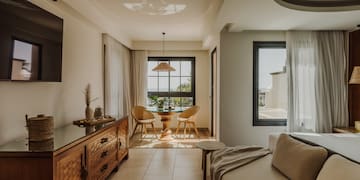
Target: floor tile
pixel 160 164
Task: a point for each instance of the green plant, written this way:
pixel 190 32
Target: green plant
pixel 160 102
pixel 155 100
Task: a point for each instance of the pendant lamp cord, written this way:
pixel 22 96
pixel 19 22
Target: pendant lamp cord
pixel 163 50
pixel 163 43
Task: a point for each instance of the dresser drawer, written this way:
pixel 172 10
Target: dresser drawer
pixel 100 141
pixel 103 169
pixel 95 158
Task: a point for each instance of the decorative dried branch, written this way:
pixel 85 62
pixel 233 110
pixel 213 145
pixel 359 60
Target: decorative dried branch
pixel 87 93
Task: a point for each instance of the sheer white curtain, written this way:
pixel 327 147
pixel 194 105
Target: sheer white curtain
pixel 139 65
pixel 139 62
pixel 117 78
pixel 317 87
pixel 301 72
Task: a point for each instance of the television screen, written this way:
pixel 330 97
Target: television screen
pixel 30 42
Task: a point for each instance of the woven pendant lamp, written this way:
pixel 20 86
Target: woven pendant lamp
pixel 163 66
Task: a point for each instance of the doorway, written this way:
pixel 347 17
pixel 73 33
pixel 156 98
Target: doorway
pixel 213 88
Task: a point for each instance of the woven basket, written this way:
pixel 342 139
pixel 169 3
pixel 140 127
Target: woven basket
pixel 45 145
pixel 40 128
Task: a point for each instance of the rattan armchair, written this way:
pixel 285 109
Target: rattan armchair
pixel 142 117
pixel 188 118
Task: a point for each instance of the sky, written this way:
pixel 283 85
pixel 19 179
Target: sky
pixel 22 50
pixel 183 68
pixel 270 61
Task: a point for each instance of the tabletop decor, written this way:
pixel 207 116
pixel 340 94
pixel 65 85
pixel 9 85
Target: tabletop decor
pixel 85 122
pixel 88 111
pixel 156 101
pixel 40 132
pixel 98 113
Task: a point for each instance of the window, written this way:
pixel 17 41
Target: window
pixel 25 61
pixel 181 82
pixel 270 84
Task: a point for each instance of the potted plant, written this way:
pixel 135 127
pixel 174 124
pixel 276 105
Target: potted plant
pixel 159 102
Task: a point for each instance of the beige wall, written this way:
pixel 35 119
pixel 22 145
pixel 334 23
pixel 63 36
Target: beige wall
pixel 236 88
pixel 216 44
pixel 202 80
pixel 82 64
pixel 169 45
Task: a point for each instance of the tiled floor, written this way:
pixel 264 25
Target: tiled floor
pixel 161 164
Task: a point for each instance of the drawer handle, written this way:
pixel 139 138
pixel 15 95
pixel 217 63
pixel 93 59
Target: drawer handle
pixel 103 154
pixel 103 140
pixel 104 167
pixel 120 144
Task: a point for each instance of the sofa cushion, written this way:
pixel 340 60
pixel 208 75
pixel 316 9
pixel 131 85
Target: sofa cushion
pixel 273 138
pixel 297 160
pixel 337 167
pixel 258 169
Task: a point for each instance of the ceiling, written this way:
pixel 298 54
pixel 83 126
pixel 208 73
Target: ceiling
pixel 269 15
pixel 188 24
pixel 202 20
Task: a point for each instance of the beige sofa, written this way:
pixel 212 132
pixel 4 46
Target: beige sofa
pixel 341 161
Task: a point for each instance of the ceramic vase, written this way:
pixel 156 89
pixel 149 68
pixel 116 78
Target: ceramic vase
pixel 98 113
pixel 89 113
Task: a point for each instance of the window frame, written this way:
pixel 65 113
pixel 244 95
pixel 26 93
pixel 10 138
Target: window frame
pixel 256 46
pixel 191 94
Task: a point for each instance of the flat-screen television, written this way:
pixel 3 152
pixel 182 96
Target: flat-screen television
pixel 30 42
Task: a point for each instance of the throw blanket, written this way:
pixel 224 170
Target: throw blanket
pixel 230 158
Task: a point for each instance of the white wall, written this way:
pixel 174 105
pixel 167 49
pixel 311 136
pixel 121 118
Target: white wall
pixel 236 88
pixel 202 80
pixel 82 64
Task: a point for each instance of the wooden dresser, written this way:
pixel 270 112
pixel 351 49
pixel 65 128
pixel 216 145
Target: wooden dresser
pixel 75 153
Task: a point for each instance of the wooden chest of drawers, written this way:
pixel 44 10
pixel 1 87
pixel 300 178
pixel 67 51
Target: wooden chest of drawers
pixel 101 154
pixel 92 156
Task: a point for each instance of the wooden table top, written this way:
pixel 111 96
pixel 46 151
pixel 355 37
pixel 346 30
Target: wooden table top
pixel 345 130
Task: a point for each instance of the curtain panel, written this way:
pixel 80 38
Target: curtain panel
pixel 317 82
pixel 116 78
pixel 139 67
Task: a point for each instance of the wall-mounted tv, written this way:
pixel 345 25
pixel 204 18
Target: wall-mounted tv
pixel 30 42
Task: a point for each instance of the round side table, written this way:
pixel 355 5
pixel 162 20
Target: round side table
pixel 207 147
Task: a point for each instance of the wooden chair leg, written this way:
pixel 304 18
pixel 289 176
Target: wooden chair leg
pixel 190 129
pixel 153 128
pixel 134 131
pixel 185 126
pixel 145 128
pixel 142 130
pixel 177 129
pixel 189 125
pixel 196 130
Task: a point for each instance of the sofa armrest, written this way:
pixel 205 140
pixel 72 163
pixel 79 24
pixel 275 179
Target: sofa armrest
pixel 273 138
